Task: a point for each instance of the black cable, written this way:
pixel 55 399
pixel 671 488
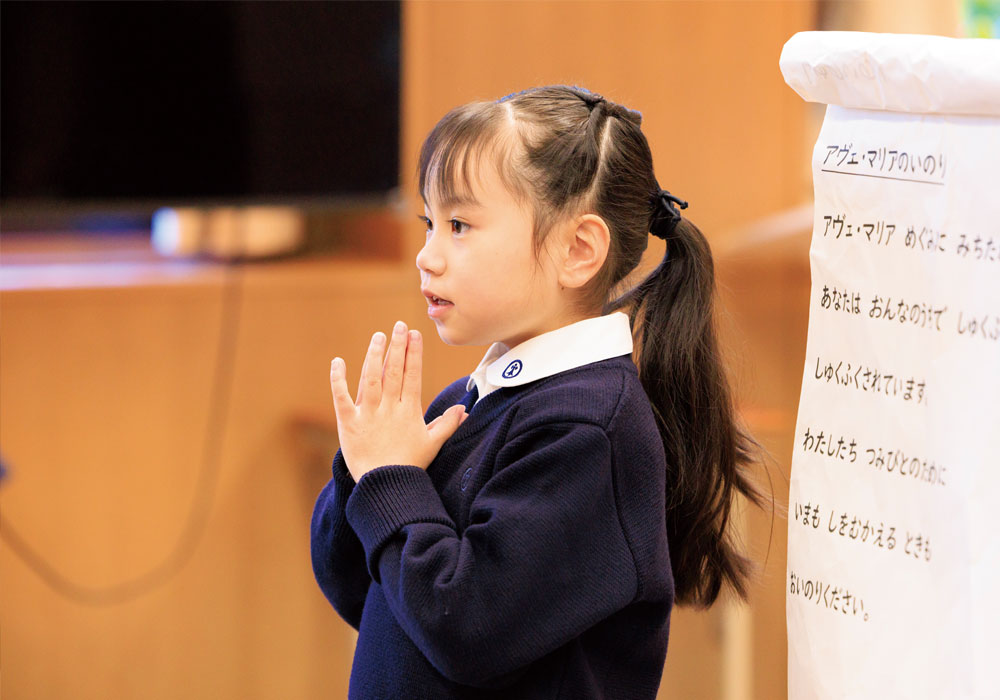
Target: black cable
pixel 204 495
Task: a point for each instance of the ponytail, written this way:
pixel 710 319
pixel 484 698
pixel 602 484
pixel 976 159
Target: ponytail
pixel 679 364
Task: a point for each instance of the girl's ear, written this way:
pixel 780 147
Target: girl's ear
pixel 584 248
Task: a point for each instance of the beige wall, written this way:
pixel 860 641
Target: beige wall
pixel 106 392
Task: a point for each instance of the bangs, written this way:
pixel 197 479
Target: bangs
pixel 466 139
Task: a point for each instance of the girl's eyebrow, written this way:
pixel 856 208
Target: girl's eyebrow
pixel 458 200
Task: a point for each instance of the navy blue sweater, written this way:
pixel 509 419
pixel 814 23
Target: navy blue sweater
pixel 528 561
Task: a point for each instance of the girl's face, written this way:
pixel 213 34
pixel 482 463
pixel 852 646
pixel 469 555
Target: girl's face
pixel 478 269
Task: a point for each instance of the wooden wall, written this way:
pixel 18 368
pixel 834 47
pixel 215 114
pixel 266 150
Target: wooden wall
pixel 109 412
pixel 728 136
pixel 113 432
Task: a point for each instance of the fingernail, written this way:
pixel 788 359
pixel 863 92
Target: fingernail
pixel 399 328
pixel 378 338
pixel 414 335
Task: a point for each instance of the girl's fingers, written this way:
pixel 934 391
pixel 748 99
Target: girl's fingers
pixel 371 378
pixel 413 370
pixel 342 403
pixel 361 382
pixel 445 425
pixel 392 373
pixel 437 421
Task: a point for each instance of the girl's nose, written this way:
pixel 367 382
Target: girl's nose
pixel 429 259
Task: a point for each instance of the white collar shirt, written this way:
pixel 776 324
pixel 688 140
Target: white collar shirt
pixel 566 348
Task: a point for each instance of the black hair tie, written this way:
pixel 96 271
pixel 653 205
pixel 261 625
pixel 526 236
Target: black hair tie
pixel 665 214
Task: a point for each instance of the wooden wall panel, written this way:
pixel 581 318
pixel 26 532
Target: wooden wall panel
pixel 726 133
pixel 724 129
pixel 104 392
pixel 105 398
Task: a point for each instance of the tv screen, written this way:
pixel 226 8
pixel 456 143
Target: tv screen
pixel 166 102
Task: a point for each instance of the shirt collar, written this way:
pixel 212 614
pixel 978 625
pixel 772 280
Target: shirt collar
pixel 566 348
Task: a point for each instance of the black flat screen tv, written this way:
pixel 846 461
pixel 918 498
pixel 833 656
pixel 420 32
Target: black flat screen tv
pixel 111 103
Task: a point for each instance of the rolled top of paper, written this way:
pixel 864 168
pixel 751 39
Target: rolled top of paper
pixel 895 72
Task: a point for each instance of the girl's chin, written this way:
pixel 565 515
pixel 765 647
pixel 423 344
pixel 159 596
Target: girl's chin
pixel 445 334
pixel 451 337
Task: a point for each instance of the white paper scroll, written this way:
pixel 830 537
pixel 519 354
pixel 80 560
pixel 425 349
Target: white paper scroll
pixel 893 580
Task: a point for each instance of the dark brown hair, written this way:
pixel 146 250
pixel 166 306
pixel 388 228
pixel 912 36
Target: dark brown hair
pixel 564 151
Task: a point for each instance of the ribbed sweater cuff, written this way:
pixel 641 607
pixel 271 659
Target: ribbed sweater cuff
pixel 341 475
pixel 385 500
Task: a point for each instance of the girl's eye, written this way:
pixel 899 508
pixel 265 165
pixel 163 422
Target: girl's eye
pixel 458 227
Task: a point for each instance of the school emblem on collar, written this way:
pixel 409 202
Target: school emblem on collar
pixel 512 370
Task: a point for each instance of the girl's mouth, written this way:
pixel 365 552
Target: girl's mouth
pixel 438 301
pixel 436 306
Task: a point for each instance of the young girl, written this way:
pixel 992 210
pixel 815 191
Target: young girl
pixel 528 536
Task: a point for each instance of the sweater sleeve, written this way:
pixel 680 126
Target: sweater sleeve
pixel 542 559
pixel 338 559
